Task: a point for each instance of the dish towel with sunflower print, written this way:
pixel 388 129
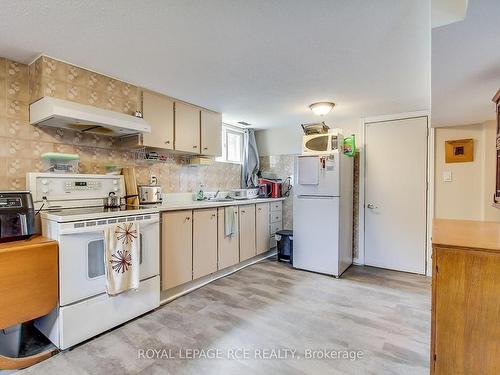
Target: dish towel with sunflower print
pixel 122 257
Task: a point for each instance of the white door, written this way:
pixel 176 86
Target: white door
pixel 316 234
pixel 395 194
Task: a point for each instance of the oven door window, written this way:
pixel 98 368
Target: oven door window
pixel 13 225
pixel 95 258
pixel 319 143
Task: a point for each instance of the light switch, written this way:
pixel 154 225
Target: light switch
pixel 447 176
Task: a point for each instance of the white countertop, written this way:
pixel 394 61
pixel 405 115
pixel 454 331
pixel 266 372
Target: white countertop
pixel 93 213
pixel 192 205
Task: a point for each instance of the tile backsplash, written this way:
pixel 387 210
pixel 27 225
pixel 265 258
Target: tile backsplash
pixel 21 144
pixel 282 166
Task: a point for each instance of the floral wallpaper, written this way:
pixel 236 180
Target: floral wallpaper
pixel 21 144
pixel 283 165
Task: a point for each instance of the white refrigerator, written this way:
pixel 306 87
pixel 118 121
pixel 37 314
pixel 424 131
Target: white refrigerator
pixel 323 213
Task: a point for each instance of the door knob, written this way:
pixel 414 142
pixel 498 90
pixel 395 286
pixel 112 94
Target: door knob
pixel 371 206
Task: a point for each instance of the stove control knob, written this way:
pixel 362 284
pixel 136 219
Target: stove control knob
pixel 45 190
pixel 44 181
pixel 115 189
pixel 115 182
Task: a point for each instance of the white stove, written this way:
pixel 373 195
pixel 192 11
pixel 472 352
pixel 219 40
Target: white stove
pixel 72 213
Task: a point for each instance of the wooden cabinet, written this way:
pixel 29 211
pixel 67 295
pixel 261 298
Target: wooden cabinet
pixel 176 248
pixel 204 242
pixel 496 99
pixel 158 111
pixel 262 230
pixel 465 336
pixel 211 133
pixel 187 128
pixel 229 247
pixel 194 243
pixel 247 231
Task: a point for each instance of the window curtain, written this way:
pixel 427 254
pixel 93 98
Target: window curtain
pixel 251 165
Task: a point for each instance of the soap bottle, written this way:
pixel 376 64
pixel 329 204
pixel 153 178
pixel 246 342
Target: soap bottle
pixel 199 194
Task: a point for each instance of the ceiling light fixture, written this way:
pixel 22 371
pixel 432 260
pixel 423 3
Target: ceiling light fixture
pixel 321 108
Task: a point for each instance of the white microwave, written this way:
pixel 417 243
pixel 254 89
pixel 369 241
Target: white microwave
pixel 322 144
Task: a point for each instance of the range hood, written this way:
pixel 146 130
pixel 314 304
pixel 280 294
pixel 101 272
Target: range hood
pixel 85 118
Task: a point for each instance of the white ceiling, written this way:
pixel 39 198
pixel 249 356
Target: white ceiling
pixel 466 66
pixel 445 12
pixel 258 61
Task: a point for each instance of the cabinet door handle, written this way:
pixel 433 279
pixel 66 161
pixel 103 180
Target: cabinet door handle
pixel 213 215
pixel 188 218
pixel 260 209
pixel 205 148
pixel 195 146
pixel 243 211
pixel 167 142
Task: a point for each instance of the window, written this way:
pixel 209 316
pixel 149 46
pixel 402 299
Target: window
pixel 232 144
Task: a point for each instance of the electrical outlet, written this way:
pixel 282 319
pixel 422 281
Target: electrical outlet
pixel 153 180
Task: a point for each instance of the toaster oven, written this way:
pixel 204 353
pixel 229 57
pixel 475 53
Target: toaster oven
pixel 17 215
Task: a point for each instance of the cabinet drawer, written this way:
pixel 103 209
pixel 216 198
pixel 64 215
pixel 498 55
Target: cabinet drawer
pixel 276 227
pixel 272 242
pixel 275 217
pixel 276 206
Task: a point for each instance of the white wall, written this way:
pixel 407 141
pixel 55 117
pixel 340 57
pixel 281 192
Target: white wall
pixel 279 141
pixel 469 195
pixel 489 169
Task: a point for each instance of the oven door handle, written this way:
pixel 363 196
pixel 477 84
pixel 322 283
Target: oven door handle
pixel 100 228
pixel 77 231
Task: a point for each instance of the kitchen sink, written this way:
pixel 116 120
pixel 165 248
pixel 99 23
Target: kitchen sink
pixel 220 200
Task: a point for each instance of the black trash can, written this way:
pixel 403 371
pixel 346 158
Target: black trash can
pixel 285 245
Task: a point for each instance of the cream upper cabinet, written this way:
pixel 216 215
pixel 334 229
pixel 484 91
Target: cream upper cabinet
pixel 158 111
pixel 211 133
pixel 262 233
pixel 204 242
pixel 247 232
pixel 187 128
pixel 176 248
pixel 229 246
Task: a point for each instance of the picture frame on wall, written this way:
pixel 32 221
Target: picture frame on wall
pixel 459 151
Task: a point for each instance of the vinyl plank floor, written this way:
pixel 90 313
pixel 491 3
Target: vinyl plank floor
pixel 269 306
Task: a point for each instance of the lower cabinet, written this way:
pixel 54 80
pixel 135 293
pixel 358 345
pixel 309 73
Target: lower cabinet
pixel 194 243
pixel 247 231
pixel 204 242
pixel 262 233
pixel 229 247
pixel 176 248
pixel 465 320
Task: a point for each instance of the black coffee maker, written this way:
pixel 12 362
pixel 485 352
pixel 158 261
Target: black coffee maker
pixel 17 215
